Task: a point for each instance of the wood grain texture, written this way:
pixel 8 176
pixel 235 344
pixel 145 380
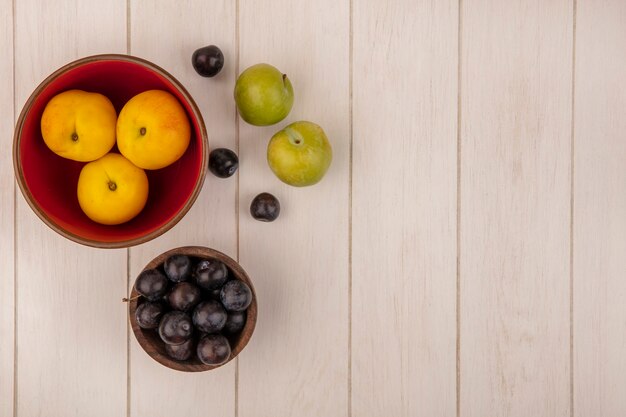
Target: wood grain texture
pixel 168 34
pixel 600 210
pixel 297 361
pixel 71 350
pixel 516 76
pixel 404 209
pixel 7 215
pixel 397 330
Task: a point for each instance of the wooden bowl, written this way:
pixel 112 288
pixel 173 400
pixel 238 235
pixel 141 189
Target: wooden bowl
pixel 149 339
pixel 48 181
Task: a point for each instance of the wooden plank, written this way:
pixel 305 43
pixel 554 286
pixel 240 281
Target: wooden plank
pixel 516 76
pixel 297 361
pixel 404 208
pixel 71 325
pixel 168 35
pixel 7 213
pixel 599 208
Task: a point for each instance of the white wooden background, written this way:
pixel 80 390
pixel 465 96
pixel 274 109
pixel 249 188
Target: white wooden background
pixel 465 255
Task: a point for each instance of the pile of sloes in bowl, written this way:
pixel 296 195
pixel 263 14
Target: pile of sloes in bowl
pixel 197 306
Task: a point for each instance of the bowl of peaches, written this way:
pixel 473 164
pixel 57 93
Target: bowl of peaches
pixel 110 151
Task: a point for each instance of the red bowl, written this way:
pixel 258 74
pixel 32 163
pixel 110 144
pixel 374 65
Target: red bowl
pixel 49 181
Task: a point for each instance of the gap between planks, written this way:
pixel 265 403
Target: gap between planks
pixel 571 225
pixel 128 364
pixel 15 262
pixel 458 210
pixel 237 38
pixel 350 176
